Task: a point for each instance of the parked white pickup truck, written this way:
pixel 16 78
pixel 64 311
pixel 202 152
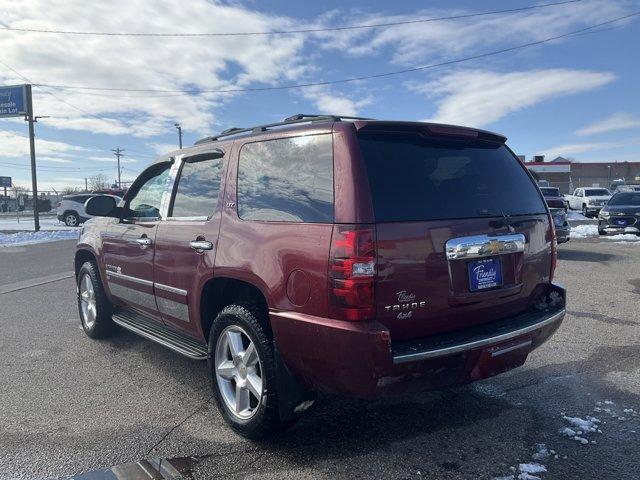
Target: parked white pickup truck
pixel 589 200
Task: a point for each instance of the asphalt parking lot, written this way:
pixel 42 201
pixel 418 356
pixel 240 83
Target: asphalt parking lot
pixel 71 405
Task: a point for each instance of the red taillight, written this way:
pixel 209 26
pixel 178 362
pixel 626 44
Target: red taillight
pixel 352 270
pixel 554 248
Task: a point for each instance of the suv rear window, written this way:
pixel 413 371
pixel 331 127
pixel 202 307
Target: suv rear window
pixel 287 180
pixel 415 178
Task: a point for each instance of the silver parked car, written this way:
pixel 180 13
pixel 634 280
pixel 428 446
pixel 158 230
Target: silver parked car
pixel 71 209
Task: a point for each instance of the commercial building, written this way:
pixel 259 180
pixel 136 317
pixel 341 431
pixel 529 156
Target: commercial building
pixel 568 175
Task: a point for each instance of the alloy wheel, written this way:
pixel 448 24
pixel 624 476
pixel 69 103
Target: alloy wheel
pixel 88 304
pixel 71 220
pixel 238 372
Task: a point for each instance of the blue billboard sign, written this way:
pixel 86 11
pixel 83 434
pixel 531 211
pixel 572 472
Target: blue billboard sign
pixel 5 182
pixel 13 101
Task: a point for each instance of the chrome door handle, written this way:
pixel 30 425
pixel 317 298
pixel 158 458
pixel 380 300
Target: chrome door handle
pixel 144 242
pixel 200 245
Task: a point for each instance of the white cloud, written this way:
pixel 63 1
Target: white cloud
pixel 576 148
pixel 162 148
pixel 480 97
pixel 16 145
pixel 143 62
pixel 44 158
pixel 419 42
pixel 331 103
pixel 616 121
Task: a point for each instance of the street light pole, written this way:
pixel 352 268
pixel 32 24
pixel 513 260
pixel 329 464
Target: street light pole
pixel 177 125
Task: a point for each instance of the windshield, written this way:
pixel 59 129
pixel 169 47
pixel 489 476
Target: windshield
pixel 415 178
pixel 625 199
pixel 550 192
pixel 596 192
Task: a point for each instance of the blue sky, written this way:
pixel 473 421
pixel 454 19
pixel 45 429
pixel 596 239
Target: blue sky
pixel 577 97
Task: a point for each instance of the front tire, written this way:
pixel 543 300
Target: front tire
pixel 585 212
pixel 243 372
pixel 93 305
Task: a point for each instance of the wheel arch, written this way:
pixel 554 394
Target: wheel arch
pixel 82 256
pixel 218 292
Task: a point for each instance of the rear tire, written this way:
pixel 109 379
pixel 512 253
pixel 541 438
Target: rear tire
pixel 242 366
pixel 93 305
pixel 71 219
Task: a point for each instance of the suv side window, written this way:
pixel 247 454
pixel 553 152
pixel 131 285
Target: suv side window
pixel 198 189
pixel 287 180
pixel 147 200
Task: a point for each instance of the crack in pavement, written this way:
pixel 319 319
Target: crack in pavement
pixel 179 424
pixel 602 318
pixel 34 282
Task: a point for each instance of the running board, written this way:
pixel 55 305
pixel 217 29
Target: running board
pixel 141 325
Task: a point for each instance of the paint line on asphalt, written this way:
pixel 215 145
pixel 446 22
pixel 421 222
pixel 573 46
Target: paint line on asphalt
pixel 34 282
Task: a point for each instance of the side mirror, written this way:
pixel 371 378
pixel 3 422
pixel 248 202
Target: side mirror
pixel 101 206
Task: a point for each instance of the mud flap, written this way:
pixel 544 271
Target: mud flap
pixel 293 399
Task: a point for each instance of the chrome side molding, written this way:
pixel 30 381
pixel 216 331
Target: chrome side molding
pixel 479 246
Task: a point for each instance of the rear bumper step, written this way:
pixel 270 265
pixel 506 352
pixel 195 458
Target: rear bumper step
pixel 474 338
pixel 141 325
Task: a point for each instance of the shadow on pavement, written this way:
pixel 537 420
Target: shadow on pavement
pixel 463 432
pixel 584 256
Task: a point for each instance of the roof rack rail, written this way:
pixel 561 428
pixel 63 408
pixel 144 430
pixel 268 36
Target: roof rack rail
pixel 302 116
pixel 230 130
pixel 298 118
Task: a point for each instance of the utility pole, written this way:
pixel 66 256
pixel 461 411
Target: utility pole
pixel 177 125
pixel 32 145
pixel 86 184
pixel 118 153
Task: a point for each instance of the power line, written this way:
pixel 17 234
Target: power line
pixel 287 32
pixel 55 169
pixel 590 29
pixel 312 84
pixel 352 79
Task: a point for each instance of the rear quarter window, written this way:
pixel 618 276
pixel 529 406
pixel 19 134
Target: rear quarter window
pixel 416 178
pixel 287 180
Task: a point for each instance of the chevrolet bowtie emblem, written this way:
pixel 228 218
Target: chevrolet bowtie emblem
pixel 493 247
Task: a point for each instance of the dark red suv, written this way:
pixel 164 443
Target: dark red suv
pixel 327 254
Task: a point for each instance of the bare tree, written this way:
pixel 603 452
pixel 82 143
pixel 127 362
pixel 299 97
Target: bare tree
pixel 18 190
pixel 99 182
pixel 70 190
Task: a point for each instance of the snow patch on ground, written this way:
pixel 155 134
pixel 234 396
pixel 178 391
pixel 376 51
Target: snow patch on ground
pixel 530 470
pixel 581 428
pixel 578 429
pixel 578 217
pixel 47 222
pixel 43 236
pixel 586 231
